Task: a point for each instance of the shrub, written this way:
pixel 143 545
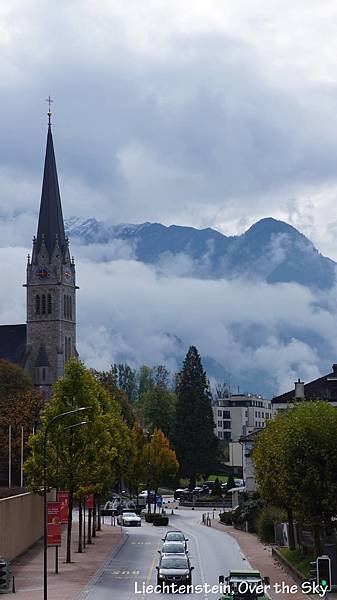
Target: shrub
pixel 248 512
pixel 265 522
pixel 160 520
pixel 149 517
pixel 226 517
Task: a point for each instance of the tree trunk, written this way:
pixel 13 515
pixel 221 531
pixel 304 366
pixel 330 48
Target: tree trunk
pixel 317 540
pixel 155 501
pixel 80 525
pixel 291 529
pixel 99 528
pixel 70 521
pixel 89 526
pixel 94 519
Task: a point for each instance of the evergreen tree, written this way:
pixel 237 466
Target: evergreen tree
pixel 217 490
pixel 230 482
pixel 194 440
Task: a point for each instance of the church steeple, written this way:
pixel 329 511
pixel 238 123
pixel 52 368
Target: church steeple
pixel 50 226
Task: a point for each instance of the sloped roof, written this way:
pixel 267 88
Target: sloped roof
pixel 324 388
pixel 51 223
pixel 13 343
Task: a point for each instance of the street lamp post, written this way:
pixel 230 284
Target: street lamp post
pixel 149 438
pixel 45 535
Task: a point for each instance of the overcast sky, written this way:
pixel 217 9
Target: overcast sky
pixel 198 112
pixel 194 112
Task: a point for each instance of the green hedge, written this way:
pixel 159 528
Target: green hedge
pixel 156 519
pixel 227 517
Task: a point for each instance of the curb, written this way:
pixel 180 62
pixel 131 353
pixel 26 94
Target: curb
pixel 290 569
pixel 84 593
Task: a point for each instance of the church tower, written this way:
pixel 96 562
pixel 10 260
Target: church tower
pixel 51 288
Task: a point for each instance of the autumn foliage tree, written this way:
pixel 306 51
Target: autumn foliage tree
pixel 161 461
pixel 20 407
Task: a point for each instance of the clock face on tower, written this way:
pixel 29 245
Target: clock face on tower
pixel 42 273
pixel 67 275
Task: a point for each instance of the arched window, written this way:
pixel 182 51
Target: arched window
pixel 69 347
pixel 49 304
pixel 43 374
pixel 65 349
pixel 70 307
pixel 64 306
pixel 37 304
pixel 43 304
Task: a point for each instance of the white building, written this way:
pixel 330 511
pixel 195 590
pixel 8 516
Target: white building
pixel 239 414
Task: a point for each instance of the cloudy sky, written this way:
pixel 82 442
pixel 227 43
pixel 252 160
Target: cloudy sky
pixel 193 112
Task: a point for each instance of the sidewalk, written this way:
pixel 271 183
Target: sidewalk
pixel 72 578
pixel 260 558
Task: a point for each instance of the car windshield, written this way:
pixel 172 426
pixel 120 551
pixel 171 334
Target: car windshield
pixel 174 563
pixel 174 537
pixel 174 548
pixel 129 514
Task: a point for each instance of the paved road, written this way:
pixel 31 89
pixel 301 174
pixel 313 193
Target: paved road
pixel 211 552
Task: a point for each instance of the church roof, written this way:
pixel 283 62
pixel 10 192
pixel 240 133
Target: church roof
pixel 51 224
pixel 13 343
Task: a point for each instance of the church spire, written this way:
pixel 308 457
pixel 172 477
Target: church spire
pixel 51 226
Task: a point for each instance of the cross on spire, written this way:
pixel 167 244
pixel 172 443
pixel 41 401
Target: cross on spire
pixel 50 101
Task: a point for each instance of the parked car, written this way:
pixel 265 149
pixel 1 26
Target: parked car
pixel 179 492
pixel 174 569
pixel 128 519
pixel 175 536
pixel 173 548
pixel 145 495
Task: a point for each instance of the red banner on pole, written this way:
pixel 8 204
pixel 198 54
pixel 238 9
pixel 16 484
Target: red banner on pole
pixel 54 525
pixel 64 502
pixel 89 501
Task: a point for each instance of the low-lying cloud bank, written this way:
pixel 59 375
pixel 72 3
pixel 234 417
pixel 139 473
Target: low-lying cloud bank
pixel 261 337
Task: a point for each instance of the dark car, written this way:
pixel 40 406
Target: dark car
pixel 179 492
pixel 173 548
pixel 174 569
pixel 175 536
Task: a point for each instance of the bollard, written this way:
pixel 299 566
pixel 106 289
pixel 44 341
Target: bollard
pixel 13 584
pixel 172 513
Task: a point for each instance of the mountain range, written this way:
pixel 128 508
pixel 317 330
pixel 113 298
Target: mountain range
pixel 271 250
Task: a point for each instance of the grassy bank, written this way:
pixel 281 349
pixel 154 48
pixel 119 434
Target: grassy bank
pixel 296 558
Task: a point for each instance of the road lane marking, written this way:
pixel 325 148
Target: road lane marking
pixel 150 571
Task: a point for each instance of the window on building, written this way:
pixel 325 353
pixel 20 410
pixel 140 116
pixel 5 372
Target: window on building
pixel 219 423
pixel 220 434
pixel 64 306
pixel 37 304
pixel 226 414
pixel 226 424
pixel 43 374
pixel 43 304
pixel 70 307
pixel 219 413
pixel 226 435
pixel 49 304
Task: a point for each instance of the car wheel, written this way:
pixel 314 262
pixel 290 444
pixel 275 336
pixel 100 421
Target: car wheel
pixel 159 585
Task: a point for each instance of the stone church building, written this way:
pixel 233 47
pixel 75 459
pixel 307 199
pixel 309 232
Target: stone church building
pixel 45 343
